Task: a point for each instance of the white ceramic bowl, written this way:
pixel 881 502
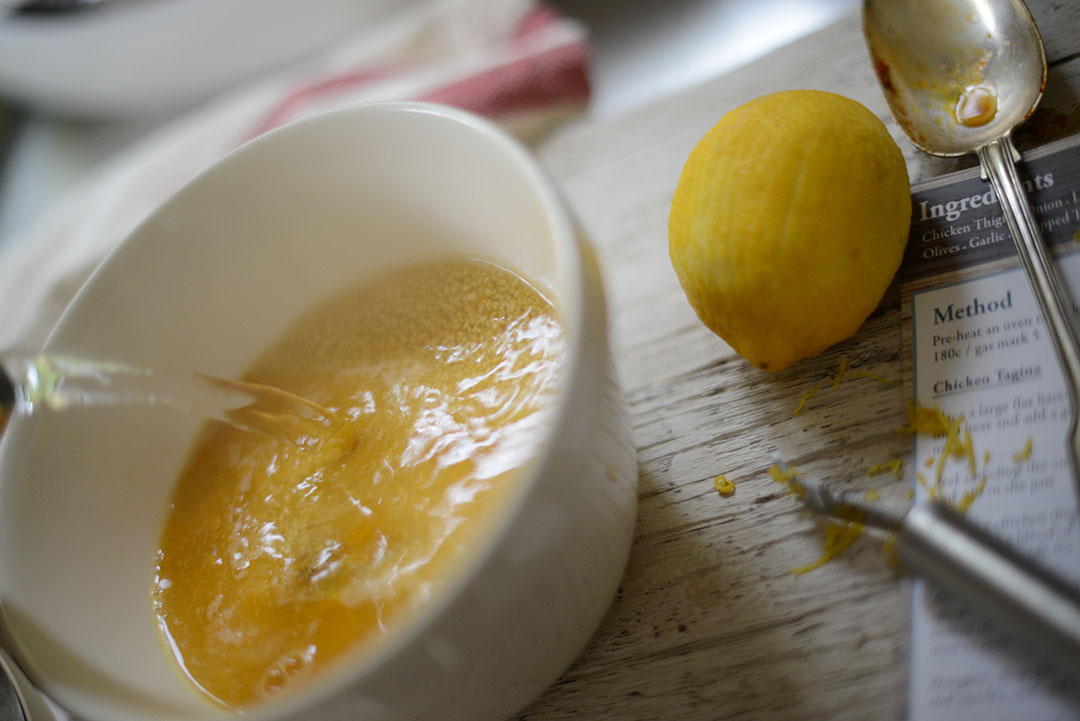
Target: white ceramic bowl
pixel 209 280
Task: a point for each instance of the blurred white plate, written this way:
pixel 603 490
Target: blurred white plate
pixel 144 57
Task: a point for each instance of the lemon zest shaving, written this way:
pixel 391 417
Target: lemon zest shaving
pixel 875 377
pixel 910 493
pixel 840 373
pixel 937 423
pixel 838 536
pixel 925 484
pixel 723 486
pixel 802 404
pixel 969 451
pixel 785 478
pixel 968 498
pixel 1024 454
pixel 939 469
pixel 895 467
pixel 932 421
pixel 873 495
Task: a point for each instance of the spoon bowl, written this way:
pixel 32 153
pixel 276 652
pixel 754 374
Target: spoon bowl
pixel 926 53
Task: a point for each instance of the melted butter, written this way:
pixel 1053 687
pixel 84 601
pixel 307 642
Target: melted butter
pixel 275 562
pixel 976 106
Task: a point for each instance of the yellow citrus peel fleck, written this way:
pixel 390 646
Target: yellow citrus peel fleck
pixel 933 490
pixel 785 478
pixel 934 422
pixel 840 373
pixel 968 498
pixel 1025 453
pixel 802 404
pixel 969 451
pixel 895 467
pixel 875 377
pixel 838 536
pixel 937 423
pixel 723 486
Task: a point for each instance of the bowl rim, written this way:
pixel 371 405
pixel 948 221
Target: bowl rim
pixel 353 667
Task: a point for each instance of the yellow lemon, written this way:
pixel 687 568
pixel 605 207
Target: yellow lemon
pixel 788 223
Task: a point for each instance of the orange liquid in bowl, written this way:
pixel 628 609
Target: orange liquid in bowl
pixel 275 562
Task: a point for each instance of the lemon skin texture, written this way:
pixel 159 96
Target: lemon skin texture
pixel 788 223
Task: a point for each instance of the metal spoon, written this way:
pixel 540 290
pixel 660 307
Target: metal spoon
pixel 959 76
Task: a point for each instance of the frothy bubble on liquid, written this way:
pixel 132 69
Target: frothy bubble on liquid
pixel 285 669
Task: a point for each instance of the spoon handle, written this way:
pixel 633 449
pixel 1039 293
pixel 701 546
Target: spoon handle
pixel 1054 301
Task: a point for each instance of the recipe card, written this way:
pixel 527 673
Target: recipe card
pixel 976 347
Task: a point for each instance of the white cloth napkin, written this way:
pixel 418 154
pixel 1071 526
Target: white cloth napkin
pixel 515 61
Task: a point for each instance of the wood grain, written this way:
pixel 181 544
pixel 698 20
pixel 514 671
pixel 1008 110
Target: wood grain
pixel 709 622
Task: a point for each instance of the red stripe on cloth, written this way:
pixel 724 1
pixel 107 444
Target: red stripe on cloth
pixel 558 75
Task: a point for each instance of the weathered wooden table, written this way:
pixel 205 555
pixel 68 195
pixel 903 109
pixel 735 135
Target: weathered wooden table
pixel 709 622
